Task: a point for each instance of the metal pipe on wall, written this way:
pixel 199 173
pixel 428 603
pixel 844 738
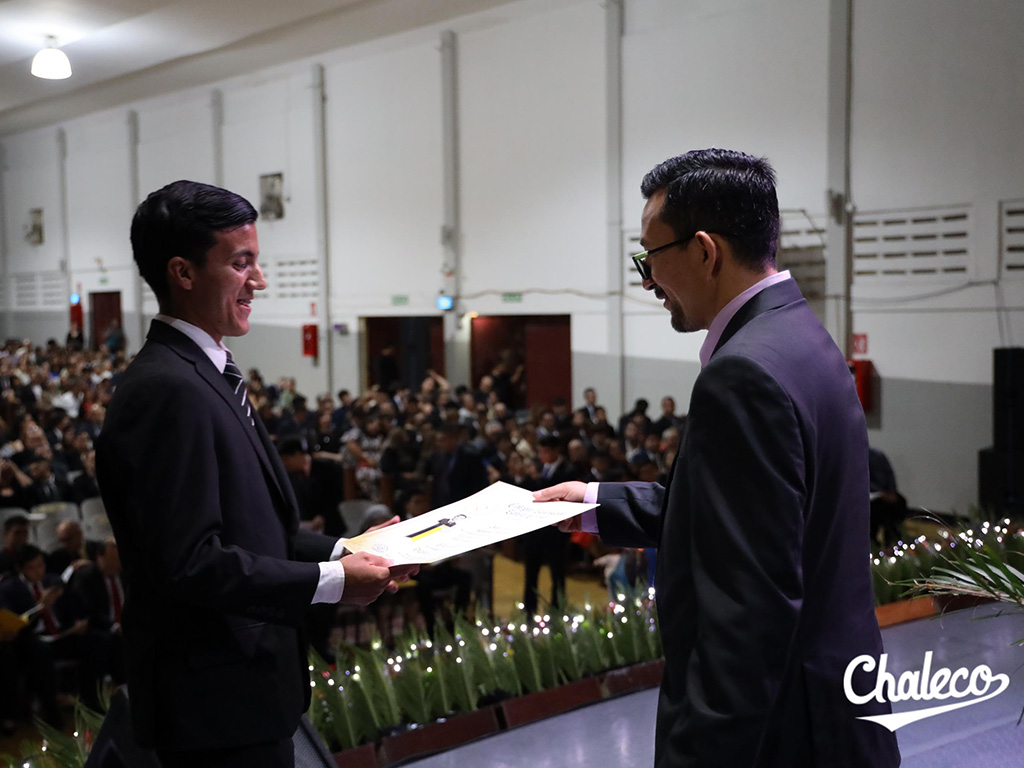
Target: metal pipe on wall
pixel 322 213
pixel 839 229
pixel 5 269
pixel 456 350
pixel 614 25
pixel 65 239
pixel 135 185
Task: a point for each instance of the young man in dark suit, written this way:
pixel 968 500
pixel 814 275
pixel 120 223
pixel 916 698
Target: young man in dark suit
pixel 764 591
pixel 218 574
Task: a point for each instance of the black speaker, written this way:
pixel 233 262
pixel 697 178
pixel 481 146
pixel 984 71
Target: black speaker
pixel 1008 399
pixel 1001 482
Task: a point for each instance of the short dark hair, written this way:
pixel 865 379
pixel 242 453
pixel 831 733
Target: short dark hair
pixel 724 192
pixel 26 555
pixel 181 219
pixel 13 521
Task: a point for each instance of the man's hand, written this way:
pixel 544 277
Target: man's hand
pixel 571 491
pixel 574 490
pixel 366 577
pixel 400 573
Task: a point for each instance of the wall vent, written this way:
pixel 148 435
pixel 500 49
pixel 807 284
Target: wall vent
pixel 1011 238
pixel 53 289
pixel 923 242
pixel 297 278
pixel 40 290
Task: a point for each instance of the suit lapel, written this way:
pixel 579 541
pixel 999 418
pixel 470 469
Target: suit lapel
pixel 187 349
pixel 772 297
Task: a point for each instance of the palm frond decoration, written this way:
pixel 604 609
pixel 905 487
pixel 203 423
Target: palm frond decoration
pixel 974 567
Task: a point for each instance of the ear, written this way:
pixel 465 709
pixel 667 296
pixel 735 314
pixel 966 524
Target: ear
pixel 180 273
pixel 711 254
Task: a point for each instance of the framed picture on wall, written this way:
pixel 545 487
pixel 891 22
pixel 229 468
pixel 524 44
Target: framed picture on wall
pixel 34 229
pixel 272 196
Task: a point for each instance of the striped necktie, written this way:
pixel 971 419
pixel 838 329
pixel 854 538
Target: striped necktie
pixel 234 377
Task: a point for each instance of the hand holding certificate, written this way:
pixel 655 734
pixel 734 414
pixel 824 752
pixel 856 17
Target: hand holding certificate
pixel 494 514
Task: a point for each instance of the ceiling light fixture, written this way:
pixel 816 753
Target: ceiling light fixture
pixel 51 63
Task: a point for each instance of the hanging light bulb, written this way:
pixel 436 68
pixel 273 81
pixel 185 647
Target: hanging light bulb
pixel 51 63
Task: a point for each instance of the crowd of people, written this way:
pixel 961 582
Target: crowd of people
pixel 406 450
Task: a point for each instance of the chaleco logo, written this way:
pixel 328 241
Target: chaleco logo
pixel 922 685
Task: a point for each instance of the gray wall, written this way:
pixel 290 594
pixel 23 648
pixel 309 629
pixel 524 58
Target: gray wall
pixel 277 351
pixel 932 432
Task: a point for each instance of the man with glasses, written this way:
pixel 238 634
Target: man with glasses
pixel 764 592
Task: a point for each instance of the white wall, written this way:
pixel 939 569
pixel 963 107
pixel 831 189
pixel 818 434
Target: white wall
pixel 938 96
pixel 740 74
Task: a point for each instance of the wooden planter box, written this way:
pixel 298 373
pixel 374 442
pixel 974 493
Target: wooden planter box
pixel 635 678
pixel 904 610
pixel 511 713
pixel 946 603
pixel 438 736
pixel 537 706
pixel 363 756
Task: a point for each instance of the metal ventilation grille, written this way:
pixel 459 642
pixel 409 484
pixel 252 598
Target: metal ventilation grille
pixel 53 288
pixel 297 278
pixel 4 304
pixel 802 251
pixel 1011 237
pixel 39 290
pixel 912 243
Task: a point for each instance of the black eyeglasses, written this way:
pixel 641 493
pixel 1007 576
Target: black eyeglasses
pixel 640 259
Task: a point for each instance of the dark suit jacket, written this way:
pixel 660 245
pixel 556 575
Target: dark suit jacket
pixel 207 529
pixel 16 596
pixel 90 586
pixel 763 586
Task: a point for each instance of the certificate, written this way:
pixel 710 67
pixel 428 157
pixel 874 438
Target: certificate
pixel 494 514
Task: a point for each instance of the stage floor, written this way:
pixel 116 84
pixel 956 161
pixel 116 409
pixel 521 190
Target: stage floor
pixel 620 732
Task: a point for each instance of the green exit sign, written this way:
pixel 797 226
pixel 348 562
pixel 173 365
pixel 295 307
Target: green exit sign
pixel 399 300
pixel 512 298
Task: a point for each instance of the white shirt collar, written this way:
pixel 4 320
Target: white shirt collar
pixel 217 352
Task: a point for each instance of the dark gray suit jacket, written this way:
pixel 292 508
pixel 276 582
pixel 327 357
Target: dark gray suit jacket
pixel 763 583
pixel 207 528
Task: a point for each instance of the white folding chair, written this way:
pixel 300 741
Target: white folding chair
pixel 45 518
pixel 95 524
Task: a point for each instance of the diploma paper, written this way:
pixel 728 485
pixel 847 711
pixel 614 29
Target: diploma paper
pixel 494 514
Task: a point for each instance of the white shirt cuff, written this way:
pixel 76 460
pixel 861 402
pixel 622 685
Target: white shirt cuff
pixel 588 520
pixel 332 582
pixel 339 550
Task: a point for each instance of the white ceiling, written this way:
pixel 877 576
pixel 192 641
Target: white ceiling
pixel 128 49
